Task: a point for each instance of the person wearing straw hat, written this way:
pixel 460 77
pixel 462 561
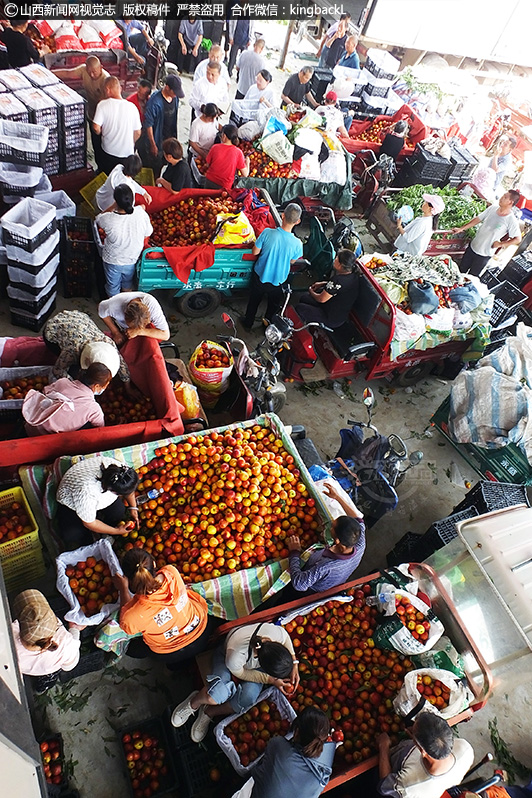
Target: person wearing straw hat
pixel 44 647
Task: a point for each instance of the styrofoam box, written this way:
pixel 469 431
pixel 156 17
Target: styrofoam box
pixel 39 75
pixel 40 255
pixel 24 296
pixel 28 218
pixel 38 280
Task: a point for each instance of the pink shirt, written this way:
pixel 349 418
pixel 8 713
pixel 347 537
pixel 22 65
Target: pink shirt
pixel 41 663
pixel 80 408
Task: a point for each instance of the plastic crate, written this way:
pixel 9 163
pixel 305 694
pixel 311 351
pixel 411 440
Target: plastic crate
pixel 14 80
pixel 53 143
pixel 463 163
pixel 381 64
pixel 73 159
pixel 194 763
pixel 43 110
pixel 178 737
pixel 29 293
pixel 11 108
pixel 20 318
pixel 507 299
pixel 75 137
pixel 77 224
pixel 497 340
pixel 487 496
pixel 33 306
pixel 52 165
pixel 28 225
pixel 410 548
pixel 38 75
pixel 56 789
pixel 88 192
pixel 145 177
pixel 17 180
pixel 40 272
pixel 155 728
pixel 71 104
pixel 409 176
pixel 89 662
pixel 519 270
pixel 442 532
pixel 25 543
pixel 77 287
pixel 427 164
pixel 22 143
pixel 321 78
pixel 491 277
pixel 31 244
pixel 20 572
pixel 61 201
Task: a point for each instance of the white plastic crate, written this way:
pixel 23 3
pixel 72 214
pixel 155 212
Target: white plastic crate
pixel 62 202
pixel 42 278
pixel 29 217
pixel 38 256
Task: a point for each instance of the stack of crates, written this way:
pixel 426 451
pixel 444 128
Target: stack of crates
pixel 424 168
pixel 378 75
pixel 23 150
pixel 73 129
pixel 43 110
pixel 21 558
pixel 519 270
pixel 463 164
pixel 487 496
pixel 31 239
pixel 78 256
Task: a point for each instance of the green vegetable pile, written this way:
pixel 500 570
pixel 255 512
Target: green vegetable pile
pixel 458 209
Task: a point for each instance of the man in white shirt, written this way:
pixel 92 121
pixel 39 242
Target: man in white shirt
pixel 118 122
pixel 334 118
pixel 216 53
pixel 134 313
pixel 249 64
pixel 425 766
pixel 210 89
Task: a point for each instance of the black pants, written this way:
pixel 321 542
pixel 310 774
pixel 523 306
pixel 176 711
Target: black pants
pixel 43 683
pixel 73 531
pixel 97 148
pixel 110 161
pixel 310 310
pixel 473 263
pixel 233 55
pixel 239 95
pixel 138 649
pixel 257 291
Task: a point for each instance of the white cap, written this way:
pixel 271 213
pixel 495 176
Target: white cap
pixel 100 352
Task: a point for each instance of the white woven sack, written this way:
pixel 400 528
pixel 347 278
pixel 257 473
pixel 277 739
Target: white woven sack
pixel 409 698
pixel 102 550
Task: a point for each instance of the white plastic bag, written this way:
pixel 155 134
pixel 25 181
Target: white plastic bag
pixel 310 168
pixel 409 701
pixel 102 550
pixel 271 694
pixel 277 146
pixel 334 169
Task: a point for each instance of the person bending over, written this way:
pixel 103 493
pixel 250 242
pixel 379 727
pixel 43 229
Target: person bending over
pixel 134 313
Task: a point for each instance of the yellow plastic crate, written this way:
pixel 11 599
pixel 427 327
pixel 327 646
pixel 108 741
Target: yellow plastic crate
pixel 28 543
pixel 88 192
pixel 145 177
pixel 22 570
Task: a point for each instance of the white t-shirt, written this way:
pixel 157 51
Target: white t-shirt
pixel 203 133
pixel 493 228
pixel 204 92
pixel 124 235
pixel 413 781
pixel 416 236
pixel 118 119
pixel 116 305
pixel 41 663
pixel 334 118
pixel 201 71
pixel 81 490
pixel 105 194
pixel 237 650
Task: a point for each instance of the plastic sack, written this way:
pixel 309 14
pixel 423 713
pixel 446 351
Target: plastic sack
pixel 249 131
pixel 276 121
pixel 310 119
pixel 422 297
pixel 409 702
pixel 408 327
pixel 441 321
pixel 466 297
pixel 334 507
pixel 66 39
pixel 274 696
pixel 102 550
pixel 310 168
pixel 334 169
pixel 309 140
pixel 405 214
pixel 90 38
pixel 392 634
pixel 187 395
pixel 442 655
pixel 212 382
pixel 277 146
pixel 235 230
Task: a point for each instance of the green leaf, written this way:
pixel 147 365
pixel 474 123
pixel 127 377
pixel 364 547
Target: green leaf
pixel 516 770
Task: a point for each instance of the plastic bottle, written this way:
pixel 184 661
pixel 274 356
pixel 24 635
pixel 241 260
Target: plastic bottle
pixel 382 598
pixel 151 494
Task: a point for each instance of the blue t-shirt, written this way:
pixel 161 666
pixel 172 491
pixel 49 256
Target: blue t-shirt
pixel 277 249
pixel 352 61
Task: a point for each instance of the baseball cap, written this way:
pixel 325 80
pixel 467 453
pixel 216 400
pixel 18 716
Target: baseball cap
pixel 435 202
pixel 332 96
pixel 100 352
pixel 36 618
pixel 174 84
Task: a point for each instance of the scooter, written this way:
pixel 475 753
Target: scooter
pixel 260 369
pixel 370 467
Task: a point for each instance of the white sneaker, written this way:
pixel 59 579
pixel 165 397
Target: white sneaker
pixel 200 727
pixel 183 711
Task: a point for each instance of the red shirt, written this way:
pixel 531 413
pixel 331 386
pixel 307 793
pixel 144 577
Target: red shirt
pixel 134 98
pixel 223 161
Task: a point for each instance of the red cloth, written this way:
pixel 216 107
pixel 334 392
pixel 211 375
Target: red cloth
pixel 26 350
pixel 134 98
pixel 222 163
pixel 195 256
pixel 148 371
pixel 161 198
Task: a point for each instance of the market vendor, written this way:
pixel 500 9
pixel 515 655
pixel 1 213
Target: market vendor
pixel 334 118
pixel 131 314
pixel 259 94
pixel 225 160
pixel 172 618
pixel 126 227
pixel 334 564
pixel 254 656
pixel 92 498
pixel 203 130
pixel 415 237
pixel 498 229
pixel 21 51
pixel 425 766
pixel 210 89
pixel 75 338
pixel 330 302
pixel 394 140
pixel 296 88
pixel 176 175
pixel 122 174
pixel 43 646
pixel 67 405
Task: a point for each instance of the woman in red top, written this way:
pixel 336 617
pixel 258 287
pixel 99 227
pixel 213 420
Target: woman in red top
pixel 225 160
pixel 172 619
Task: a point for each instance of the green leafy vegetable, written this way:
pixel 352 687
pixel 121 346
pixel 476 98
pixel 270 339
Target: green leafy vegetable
pixel 515 769
pixel 459 210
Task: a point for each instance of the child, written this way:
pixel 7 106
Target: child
pixel 176 175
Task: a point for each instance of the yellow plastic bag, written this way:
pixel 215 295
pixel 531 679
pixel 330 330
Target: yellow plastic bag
pixel 187 395
pixel 236 230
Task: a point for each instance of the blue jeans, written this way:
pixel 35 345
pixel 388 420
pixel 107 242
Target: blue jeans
pixel 221 687
pixel 118 278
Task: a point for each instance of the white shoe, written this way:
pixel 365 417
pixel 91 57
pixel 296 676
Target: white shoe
pixel 200 727
pixel 183 711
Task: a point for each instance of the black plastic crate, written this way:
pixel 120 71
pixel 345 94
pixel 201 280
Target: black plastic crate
pixel 376 91
pixel 52 165
pixel 22 155
pixel 55 789
pixel 155 728
pixel 31 269
pixel 463 164
pixel 428 164
pixel 178 737
pixel 23 116
pixel 497 340
pixel 321 78
pixel 73 159
pixel 377 71
pixel 89 662
pixel 21 319
pixel 442 532
pixel 407 176
pixel 30 244
pixel 491 277
pixel 193 763
pixel 74 137
pixel 507 299
pixel 77 287
pixel 409 549
pixel 519 270
pixel 53 143
pixel 77 225
pixel 30 306
pixel 17 191
pixel 487 496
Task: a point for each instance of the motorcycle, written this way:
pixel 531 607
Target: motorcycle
pixel 260 369
pixel 371 467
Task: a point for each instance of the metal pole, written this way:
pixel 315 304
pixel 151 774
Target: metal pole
pixel 284 51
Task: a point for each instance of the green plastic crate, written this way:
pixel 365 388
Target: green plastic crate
pixel 507 464
pixel 228 271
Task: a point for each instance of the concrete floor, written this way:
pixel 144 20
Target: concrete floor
pixel 90 710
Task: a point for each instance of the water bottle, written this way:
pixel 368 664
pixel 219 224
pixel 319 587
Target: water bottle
pixel 374 601
pixel 151 494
